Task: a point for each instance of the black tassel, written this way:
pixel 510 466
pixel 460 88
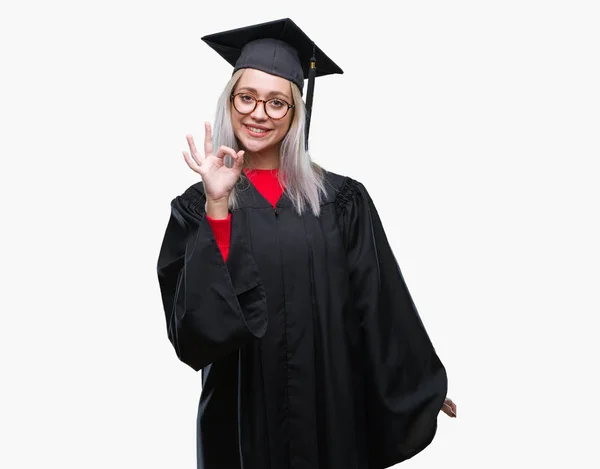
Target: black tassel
pixel 312 73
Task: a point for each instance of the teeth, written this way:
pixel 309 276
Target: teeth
pixel 254 129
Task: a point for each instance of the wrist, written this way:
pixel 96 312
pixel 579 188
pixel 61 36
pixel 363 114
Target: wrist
pixel 217 209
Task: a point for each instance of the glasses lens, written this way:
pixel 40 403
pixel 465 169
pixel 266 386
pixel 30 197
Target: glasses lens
pixel 276 108
pixel 244 103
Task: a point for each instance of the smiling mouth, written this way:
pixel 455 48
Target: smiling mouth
pixel 257 130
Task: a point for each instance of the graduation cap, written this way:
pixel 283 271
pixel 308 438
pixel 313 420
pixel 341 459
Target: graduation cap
pixel 279 48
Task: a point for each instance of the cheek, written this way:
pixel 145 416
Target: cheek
pixel 237 125
pixel 284 127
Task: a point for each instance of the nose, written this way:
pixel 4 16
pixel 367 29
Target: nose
pixel 259 112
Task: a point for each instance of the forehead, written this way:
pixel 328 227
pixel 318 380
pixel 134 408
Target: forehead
pixel 264 83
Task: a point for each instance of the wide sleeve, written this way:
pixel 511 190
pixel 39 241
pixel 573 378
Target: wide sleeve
pixel 222 231
pixel 211 308
pixel 406 382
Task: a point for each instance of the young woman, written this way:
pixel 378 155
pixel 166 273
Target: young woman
pixel 278 283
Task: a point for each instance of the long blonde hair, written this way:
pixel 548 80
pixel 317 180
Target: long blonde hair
pixel 304 180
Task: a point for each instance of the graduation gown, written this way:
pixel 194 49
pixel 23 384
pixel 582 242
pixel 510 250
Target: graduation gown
pixel 312 352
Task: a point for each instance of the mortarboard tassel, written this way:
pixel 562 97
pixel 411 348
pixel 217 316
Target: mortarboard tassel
pixel 312 73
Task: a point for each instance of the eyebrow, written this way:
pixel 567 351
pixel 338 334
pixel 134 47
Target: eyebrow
pixel 272 93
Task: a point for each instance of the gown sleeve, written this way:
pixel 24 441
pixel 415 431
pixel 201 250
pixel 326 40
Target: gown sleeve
pixel 222 232
pixel 212 308
pixel 406 382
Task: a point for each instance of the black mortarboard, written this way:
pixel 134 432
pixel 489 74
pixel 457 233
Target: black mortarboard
pixel 278 47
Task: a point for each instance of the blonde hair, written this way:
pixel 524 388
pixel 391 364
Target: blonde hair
pixel 304 180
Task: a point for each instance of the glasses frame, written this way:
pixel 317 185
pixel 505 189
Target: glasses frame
pixel 264 101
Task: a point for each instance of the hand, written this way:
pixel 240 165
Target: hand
pixel 449 408
pixel 218 179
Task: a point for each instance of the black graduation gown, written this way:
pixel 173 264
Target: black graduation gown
pixel 312 352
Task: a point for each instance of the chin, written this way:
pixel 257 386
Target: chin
pixel 254 146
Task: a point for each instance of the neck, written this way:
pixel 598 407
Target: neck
pixel 267 159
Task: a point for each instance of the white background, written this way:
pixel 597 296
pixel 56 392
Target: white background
pixel 473 124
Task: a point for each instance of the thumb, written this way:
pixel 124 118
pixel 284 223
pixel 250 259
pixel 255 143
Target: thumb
pixel 239 161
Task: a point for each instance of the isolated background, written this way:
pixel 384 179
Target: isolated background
pixel 473 124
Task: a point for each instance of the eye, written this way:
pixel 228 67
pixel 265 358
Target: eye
pixel 277 103
pixel 246 98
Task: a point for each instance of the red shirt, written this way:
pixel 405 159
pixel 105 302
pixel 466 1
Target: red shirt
pixel 267 183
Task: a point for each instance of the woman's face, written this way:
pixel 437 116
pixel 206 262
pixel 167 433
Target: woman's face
pixel 257 132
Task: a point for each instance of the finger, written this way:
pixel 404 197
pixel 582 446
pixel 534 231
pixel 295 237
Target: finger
pixel 208 146
pixel 451 403
pixel 191 163
pixel 193 150
pixel 238 161
pixel 447 408
pixel 223 150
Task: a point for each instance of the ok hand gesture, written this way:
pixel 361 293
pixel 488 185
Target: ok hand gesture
pixel 218 179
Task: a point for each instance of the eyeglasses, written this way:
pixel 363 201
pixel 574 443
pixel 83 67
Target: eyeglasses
pixel 275 108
